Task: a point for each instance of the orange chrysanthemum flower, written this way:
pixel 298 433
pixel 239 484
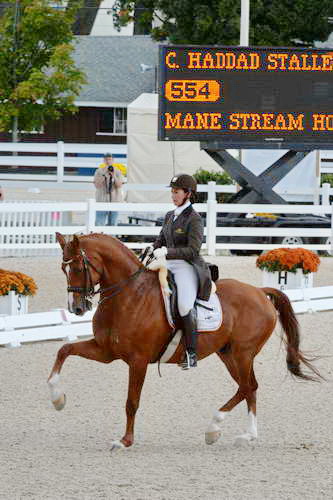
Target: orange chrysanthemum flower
pixel 18 282
pixel 289 259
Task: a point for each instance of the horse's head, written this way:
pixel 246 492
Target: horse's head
pixel 83 271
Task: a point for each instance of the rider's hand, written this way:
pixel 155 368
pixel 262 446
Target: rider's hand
pixel 160 252
pixel 148 251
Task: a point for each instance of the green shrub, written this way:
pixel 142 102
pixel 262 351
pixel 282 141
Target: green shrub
pixel 204 176
pixel 327 178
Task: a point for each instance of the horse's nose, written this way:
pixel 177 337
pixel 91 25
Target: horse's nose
pixel 78 310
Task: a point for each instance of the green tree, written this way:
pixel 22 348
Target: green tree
pixel 38 78
pixel 206 22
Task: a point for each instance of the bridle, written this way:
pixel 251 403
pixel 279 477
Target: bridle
pixel 88 290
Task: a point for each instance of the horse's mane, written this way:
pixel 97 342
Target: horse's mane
pixel 112 241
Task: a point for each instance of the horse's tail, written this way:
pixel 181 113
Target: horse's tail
pixel 289 323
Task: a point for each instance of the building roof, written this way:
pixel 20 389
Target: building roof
pixel 112 67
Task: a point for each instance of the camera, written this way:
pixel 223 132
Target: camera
pixel 110 169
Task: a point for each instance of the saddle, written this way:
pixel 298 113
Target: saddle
pixel 214 272
pixel 209 316
pixel 209 313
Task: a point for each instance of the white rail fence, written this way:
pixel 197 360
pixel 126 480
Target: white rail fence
pixel 52 325
pixel 293 194
pixel 16 233
pixel 60 157
pixel 326 162
pixel 63 157
pixel 31 220
pixel 62 325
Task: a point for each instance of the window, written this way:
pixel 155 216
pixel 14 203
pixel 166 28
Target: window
pixel 112 121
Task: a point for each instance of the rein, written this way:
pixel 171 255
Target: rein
pixel 118 287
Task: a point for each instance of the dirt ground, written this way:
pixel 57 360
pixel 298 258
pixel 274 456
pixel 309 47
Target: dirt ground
pixel 66 455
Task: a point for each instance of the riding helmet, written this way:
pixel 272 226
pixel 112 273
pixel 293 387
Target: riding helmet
pixel 184 181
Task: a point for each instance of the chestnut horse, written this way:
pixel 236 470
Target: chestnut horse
pixel 130 324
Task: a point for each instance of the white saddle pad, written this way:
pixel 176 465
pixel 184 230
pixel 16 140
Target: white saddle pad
pixel 208 320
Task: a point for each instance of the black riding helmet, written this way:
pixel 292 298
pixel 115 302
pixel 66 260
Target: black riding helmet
pixel 184 181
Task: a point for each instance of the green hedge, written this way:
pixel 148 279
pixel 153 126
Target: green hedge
pixel 328 178
pixel 204 176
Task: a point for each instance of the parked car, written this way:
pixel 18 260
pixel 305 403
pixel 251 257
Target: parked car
pixel 254 220
pixel 272 220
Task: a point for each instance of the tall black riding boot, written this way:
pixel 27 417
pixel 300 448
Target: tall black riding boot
pixel 190 336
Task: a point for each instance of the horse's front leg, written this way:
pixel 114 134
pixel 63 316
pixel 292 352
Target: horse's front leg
pixel 86 349
pixel 137 374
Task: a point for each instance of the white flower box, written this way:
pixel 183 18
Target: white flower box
pixel 283 280
pixel 13 304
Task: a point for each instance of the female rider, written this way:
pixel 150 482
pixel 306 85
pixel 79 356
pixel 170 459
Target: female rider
pixel 180 241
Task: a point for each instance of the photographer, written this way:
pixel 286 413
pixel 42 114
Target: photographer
pixel 108 181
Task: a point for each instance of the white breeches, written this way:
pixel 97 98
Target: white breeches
pixel 187 284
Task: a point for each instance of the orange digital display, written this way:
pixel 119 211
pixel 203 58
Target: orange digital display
pixel 192 90
pixel 247 97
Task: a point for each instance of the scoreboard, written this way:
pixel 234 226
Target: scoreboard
pixel 247 97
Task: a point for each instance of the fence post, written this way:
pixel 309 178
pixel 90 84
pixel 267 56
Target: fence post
pixel 316 190
pixel 325 196
pixel 211 226
pixel 60 161
pixel 91 215
pixel 211 191
pixel 332 230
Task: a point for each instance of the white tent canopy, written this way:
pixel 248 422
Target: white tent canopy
pixel 155 162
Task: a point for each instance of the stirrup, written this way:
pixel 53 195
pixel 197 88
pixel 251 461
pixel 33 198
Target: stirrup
pixel 190 361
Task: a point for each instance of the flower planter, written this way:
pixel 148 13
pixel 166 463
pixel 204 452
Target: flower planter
pixel 283 280
pixel 13 304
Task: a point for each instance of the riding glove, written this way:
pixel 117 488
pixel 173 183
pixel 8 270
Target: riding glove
pixel 160 252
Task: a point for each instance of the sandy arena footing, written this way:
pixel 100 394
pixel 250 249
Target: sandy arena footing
pixel 66 455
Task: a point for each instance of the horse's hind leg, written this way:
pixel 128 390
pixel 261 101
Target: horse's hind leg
pixel 214 429
pixel 251 399
pixel 137 374
pixel 87 349
pixel 240 366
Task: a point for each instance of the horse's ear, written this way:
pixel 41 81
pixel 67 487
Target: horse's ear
pixel 60 240
pixel 75 243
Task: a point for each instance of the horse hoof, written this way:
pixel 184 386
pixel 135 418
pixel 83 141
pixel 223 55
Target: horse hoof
pixel 59 403
pixel 244 441
pixel 212 437
pixel 117 445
